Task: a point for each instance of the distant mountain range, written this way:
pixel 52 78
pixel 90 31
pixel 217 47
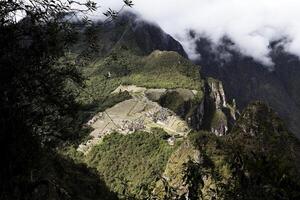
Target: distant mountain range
pixel 163 127
pixel 156 125
pixel 246 80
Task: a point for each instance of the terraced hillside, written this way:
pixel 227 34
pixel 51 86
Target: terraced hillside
pixel 159 130
pixel 136 114
pixel 172 134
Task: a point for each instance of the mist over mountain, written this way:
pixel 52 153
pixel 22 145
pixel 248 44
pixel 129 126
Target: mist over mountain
pixel 165 123
pixel 130 31
pixel 188 100
pixel 251 24
pixel 246 80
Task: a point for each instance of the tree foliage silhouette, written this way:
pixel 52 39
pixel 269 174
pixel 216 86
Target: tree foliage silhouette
pixel 36 106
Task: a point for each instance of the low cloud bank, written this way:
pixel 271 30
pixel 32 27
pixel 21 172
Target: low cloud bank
pixel 250 24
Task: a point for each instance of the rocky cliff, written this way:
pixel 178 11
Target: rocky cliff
pixel 246 80
pixel 194 141
pixel 246 164
pixel 219 115
pixel 160 130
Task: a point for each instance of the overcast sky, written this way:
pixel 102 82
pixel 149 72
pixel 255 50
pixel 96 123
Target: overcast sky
pixel 251 24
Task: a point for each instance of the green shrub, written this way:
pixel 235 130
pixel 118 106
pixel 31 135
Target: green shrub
pixel 132 161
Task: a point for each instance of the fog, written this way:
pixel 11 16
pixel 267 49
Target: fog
pixel 250 24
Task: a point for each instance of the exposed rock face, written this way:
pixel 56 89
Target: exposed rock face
pixel 173 184
pixel 261 151
pixel 210 111
pixel 188 175
pixel 246 80
pixel 219 116
pixel 217 93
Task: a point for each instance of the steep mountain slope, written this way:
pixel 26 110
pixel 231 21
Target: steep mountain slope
pixel 127 31
pixel 130 102
pixel 165 97
pixel 246 164
pixel 230 160
pixel 247 80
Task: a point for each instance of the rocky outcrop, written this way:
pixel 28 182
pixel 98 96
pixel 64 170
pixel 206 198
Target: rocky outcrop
pixel 260 150
pixel 173 183
pixel 247 80
pixel 259 120
pixel 219 115
pixel 207 110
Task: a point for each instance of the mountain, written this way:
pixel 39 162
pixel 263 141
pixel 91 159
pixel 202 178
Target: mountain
pixel 159 129
pixel 154 127
pixel 245 164
pixel 246 80
pixel 144 121
pixel 127 31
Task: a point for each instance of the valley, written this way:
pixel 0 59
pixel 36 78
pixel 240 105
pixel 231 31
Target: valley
pixel 174 134
pixel 123 114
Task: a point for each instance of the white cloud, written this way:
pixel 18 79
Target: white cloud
pixel 251 24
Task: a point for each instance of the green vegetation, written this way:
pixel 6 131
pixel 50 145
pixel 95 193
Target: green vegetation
pixel 89 110
pixel 159 70
pixel 131 162
pixel 184 105
pixel 216 153
pixel 166 70
pixel 57 177
pixel 198 166
pixel 258 150
pixel 246 164
pixel 172 100
pixel 38 105
pixel 218 118
pixel 168 80
pixel 44 100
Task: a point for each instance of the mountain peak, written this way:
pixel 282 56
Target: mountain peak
pixel 257 119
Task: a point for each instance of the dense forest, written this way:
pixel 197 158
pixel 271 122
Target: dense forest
pixel 38 110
